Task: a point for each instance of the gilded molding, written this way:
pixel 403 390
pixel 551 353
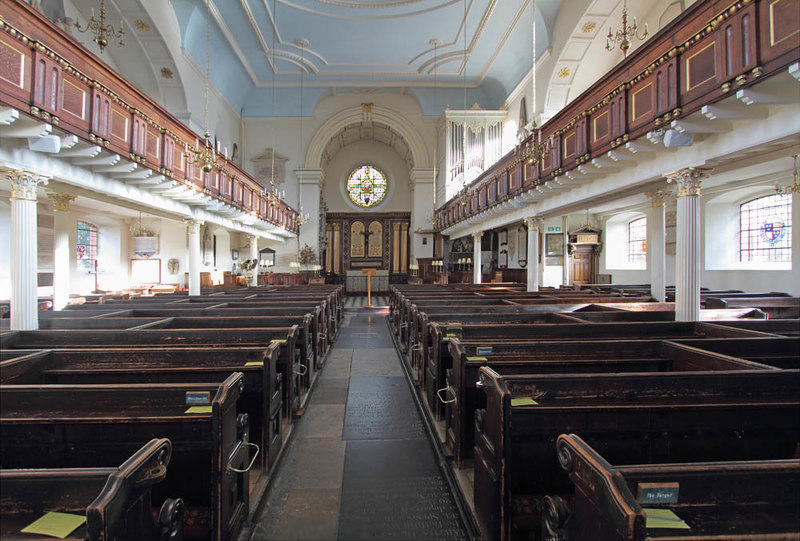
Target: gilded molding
pixel 658 198
pixel 23 183
pixel 534 223
pixel 193 226
pixel 477 236
pixel 688 180
pixel 61 201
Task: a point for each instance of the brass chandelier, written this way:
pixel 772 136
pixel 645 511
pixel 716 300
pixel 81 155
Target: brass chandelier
pixel 624 34
pixel 102 31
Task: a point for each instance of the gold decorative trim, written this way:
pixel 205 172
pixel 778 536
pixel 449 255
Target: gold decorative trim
pixel 688 180
pixel 533 223
pixel 23 183
pixel 61 201
pixel 689 85
pixel 658 198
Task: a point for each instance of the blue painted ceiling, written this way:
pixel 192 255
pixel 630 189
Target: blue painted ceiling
pixel 365 46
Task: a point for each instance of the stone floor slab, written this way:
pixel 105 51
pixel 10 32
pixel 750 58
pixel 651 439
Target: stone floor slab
pixel 300 515
pixel 321 420
pixel 331 391
pixel 311 463
pixel 381 408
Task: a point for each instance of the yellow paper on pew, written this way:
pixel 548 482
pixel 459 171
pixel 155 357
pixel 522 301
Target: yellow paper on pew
pixel 664 518
pixel 200 409
pixel 524 402
pixel 476 358
pixel 55 524
pixel 254 363
pixel 278 340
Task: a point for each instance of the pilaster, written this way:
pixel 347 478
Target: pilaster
pixel 253 240
pixel 310 182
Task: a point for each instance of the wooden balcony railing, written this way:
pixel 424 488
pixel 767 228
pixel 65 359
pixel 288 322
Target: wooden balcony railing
pixel 47 74
pixel 707 53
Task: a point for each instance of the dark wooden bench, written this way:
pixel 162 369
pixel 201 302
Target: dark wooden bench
pixel 75 426
pixel 783 327
pixel 498 335
pixel 776 307
pixel 628 418
pixel 780 352
pixel 116 501
pixel 288 362
pixel 261 397
pixel 460 398
pixel 756 499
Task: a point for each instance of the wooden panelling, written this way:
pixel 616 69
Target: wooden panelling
pixel 642 102
pixel 12 64
pixel 780 28
pixel 47 84
pixel 570 146
pixel 700 67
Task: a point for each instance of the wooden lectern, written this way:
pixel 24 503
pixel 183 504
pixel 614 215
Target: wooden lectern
pixel 369 273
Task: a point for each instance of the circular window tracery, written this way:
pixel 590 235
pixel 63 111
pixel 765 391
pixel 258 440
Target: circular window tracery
pixel 366 186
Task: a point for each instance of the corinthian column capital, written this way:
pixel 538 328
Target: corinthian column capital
pixel 23 183
pixel 61 201
pixel 658 198
pixel 688 180
pixel 193 226
pixel 534 223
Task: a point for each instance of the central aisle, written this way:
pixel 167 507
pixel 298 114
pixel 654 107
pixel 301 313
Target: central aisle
pixel 360 465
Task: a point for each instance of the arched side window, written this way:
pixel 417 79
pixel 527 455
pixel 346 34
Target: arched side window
pixel 87 246
pixel 765 229
pixel 366 186
pixel 637 241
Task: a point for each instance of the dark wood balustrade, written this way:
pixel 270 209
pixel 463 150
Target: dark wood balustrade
pixel 704 55
pixel 47 74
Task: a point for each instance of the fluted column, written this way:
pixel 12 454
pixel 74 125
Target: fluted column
pixel 193 233
pixel 254 255
pixel 534 226
pixel 62 266
pixel 656 245
pixel 477 277
pixel 687 263
pixel 566 268
pixel 23 256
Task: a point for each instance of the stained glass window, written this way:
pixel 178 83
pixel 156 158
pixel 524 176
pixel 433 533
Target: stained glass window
pixel 87 246
pixel 765 229
pixel 366 186
pixel 637 241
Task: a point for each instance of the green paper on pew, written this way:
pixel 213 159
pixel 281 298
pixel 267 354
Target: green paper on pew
pixel 254 363
pixel 476 358
pixel 279 340
pixel 524 402
pixel 664 518
pixel 200 409
pixel 55 524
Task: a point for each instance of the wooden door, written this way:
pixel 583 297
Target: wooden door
pixel 583 267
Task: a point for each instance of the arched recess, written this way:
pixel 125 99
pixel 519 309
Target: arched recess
pixel 358 115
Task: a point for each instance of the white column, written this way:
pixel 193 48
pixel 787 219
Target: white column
pixel 687 264
pixel 422 188
pixel 62 266
pixel 657 245
pixel 193 233
pixel 534 226
pixel 565 270
pixel 254 255
pixel 23 256
pixel 310 182
pixel 476 258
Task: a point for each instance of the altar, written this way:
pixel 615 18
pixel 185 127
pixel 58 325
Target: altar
pixel 356 281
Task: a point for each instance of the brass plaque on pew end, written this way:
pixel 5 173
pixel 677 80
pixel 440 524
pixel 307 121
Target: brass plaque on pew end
pixel 649 493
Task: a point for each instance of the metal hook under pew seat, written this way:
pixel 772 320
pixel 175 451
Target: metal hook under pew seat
pixel 253 461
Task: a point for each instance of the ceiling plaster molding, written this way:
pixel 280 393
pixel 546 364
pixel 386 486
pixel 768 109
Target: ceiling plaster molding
pixel 354 115
pixel 322 13
pixel 215 92
pixel 232 41
pixel 503 40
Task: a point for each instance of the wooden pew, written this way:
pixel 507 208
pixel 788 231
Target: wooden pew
pixel 117 501
pixel 498 335
pixel 755 499
pixel 67 426
pixel 461 398
pixel 628 418
pixel 288 359
pixel 782 327
pixel 261 397
pixel 776 307
pixel 780 352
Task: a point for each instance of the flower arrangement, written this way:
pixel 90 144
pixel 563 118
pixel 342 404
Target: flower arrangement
pixel 248 264
pixel 307 255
